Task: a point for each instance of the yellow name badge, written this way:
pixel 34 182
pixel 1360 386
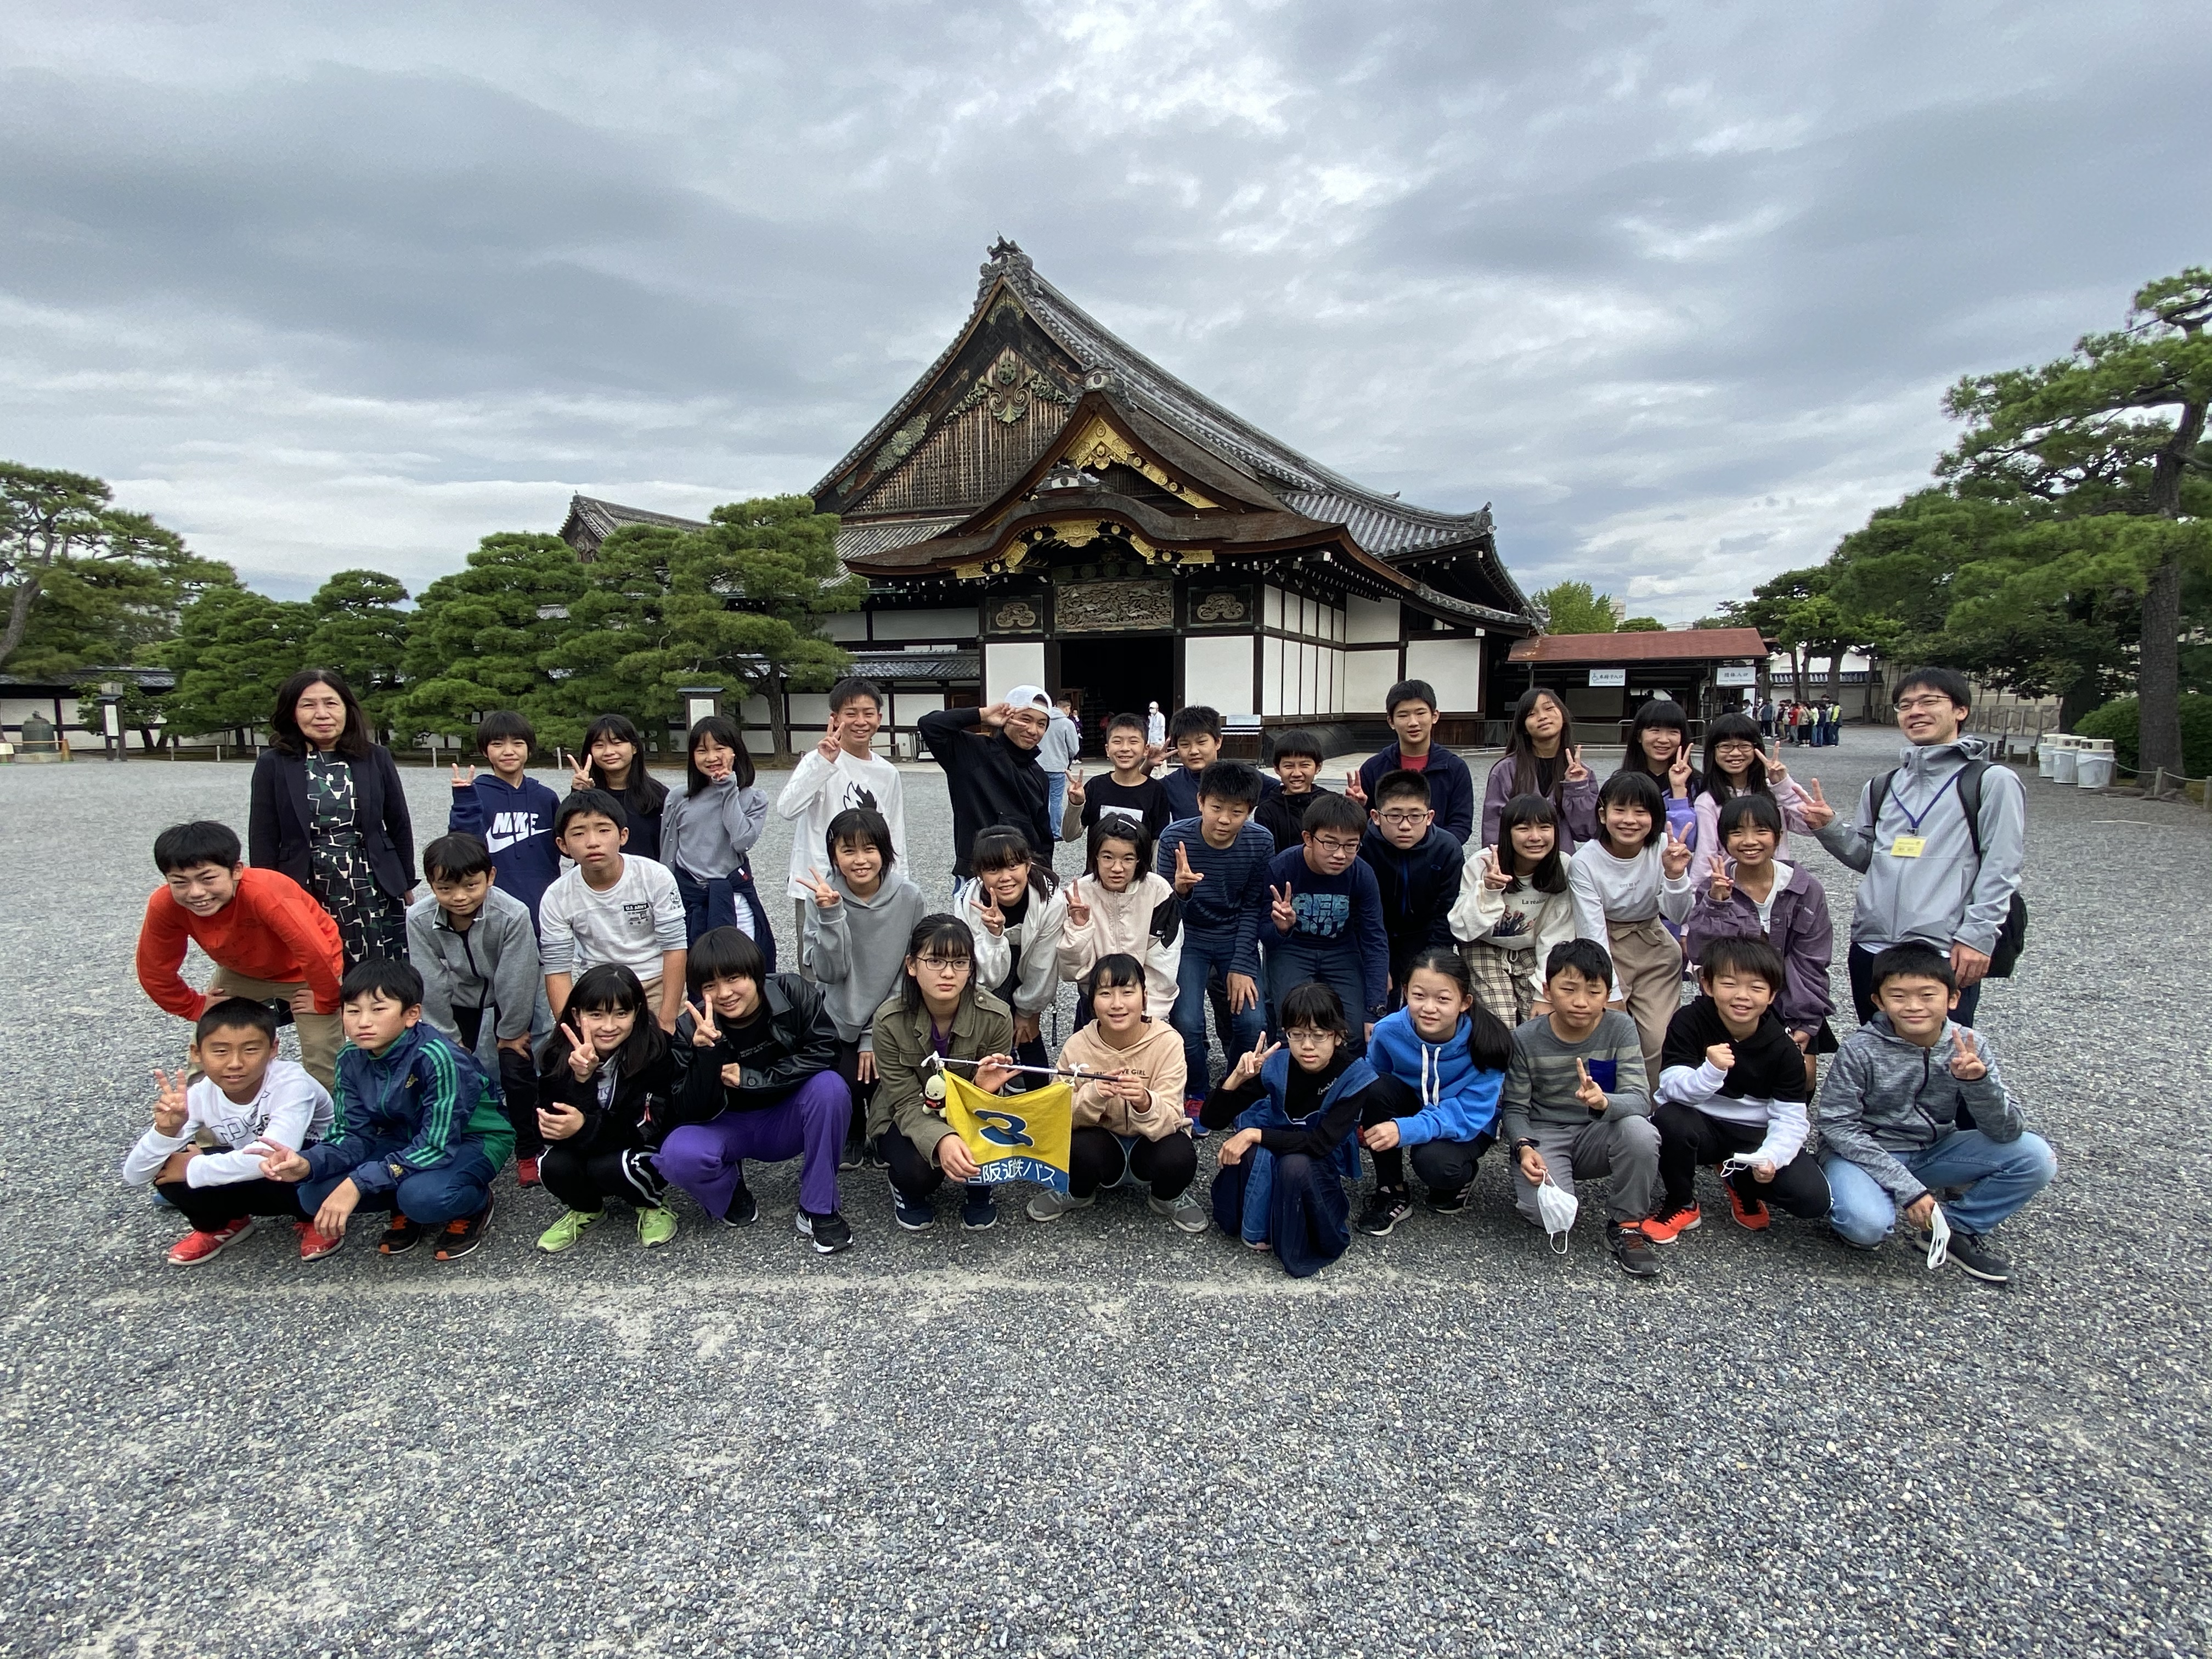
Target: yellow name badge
pixel 1908 847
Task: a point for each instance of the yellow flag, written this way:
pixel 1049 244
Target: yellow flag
pixel 1013 1137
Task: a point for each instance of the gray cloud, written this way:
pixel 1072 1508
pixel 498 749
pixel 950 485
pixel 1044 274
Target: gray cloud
pixel 1677 288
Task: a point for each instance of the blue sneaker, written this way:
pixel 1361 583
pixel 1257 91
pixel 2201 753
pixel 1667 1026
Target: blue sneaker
pixel 978 1208
pixel 1191 1106
pixel 912 1213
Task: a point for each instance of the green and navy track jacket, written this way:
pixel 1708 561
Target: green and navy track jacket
pixel 420 1092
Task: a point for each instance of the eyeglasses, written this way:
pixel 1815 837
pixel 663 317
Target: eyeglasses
pixel 1918 705
pixel 941 964
pixel 1738 744
pixel 1331 844
pixel 1402 820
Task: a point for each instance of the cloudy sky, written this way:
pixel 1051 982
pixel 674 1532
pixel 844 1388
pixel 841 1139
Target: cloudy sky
pixel 1676 287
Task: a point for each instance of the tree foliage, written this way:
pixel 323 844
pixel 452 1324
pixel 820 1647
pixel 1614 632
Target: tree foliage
pixel 487 636
pixel 1574 608
pixel 234 648
pixel 1642 625
pixel 359 629
pixel 83 582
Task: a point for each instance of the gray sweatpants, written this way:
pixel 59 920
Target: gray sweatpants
pixel 1626 1150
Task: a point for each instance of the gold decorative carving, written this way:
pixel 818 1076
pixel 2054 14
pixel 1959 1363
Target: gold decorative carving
pixel 901 444
pixel 1112 607
pixel 1224 606
pixel 1008 387
pixel 1015 616
pixel 1098 447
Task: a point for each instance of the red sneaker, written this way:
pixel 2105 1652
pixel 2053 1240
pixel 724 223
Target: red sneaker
pixel 314 1247
pixel 1670 1224
pixel 1749 1212
pixel 526 1172
pixel 195 1247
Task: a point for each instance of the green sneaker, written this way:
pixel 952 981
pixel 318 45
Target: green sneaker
pixel 566 1231
pixel 655 1227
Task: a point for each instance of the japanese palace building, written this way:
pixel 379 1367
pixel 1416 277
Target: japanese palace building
pixel 1046 504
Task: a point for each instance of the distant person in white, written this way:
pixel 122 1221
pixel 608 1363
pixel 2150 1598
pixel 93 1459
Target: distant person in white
pixel 1156 727
pixel 843 773
pixel 609 907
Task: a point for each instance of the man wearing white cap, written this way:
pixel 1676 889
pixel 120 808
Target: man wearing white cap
pixel 990 761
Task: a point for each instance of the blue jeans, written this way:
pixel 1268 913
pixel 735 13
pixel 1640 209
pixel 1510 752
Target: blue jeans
pixel 1999 1176
pixel 1055 787
pixel 1292 961
pixel 460 1186
pixel 1204 962
pixel 1307 1209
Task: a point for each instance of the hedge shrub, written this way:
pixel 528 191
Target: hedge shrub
pixel 2118 720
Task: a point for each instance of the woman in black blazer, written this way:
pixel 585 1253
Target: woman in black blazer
pixel 329 811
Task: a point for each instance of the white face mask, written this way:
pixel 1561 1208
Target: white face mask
pixel 1558 1207
pixel 1939 1238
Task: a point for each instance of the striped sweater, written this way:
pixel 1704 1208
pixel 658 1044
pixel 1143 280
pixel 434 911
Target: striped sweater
pixel 1540 1083
pixel 422 1088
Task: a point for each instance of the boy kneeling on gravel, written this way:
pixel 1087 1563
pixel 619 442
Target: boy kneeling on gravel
pixel 245 1101
pixel 418 1130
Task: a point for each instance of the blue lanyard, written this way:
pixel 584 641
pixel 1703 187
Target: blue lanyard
pixel 1913 819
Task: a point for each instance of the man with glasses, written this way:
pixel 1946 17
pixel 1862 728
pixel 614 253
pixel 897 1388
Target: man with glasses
pixel 1325 919
pixel 1417 866
pixel 1939 841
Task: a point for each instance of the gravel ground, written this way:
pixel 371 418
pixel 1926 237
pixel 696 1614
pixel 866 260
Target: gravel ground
pixel 1108 1438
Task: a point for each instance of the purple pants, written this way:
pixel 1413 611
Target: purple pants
pixel 708 1160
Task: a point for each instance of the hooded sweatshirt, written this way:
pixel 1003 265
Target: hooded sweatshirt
pixel 515 821
pixel 857 949
pixel 1885 1098
pixel 1765 1090
pixel 1418 886
pixel 1155 1059
pixel 1944 894
pixel 420 1088
pixel 1459 1101
pixel 1144 921
pixel 1797 925
pixel 493 963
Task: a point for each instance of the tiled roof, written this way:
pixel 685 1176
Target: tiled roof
pixel 1670 645
pixel 919 665
pixel 856 540
pixel 591 521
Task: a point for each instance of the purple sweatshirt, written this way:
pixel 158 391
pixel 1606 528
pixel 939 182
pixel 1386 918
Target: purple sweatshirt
pixel 1578 803
pixel 1799 929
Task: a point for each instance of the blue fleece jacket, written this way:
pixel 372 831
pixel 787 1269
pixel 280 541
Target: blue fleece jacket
pixel 517 824
pixel 1451 785
pixel 1458 1101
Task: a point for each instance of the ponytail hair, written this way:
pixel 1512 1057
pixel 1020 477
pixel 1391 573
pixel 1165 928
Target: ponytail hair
pixel 1489 1043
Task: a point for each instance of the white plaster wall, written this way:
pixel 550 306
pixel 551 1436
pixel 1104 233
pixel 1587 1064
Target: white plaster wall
pixel 1453 666
pixel 941 625
pixel 1367 677
pixel 1218 674
pixel 1005 667
pixel 1372 622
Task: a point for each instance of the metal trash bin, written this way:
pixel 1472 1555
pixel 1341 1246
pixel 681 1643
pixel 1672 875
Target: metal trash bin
pixel 2063 759
pixel 2094 763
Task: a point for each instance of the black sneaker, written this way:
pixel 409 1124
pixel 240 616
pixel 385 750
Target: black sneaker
pixel 1389 1206
pixel 1632 1250
pixel 979 1208
pixel 828 1232
pixel 464 1235
pixel 743 1211
pixel 401 1237
pixel 853 1157
pixel 1442 1202
pixel 1975 1259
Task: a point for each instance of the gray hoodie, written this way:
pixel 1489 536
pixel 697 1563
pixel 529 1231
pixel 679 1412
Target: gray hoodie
pixel 493 964
pixel 857 949
pixel 1943 894
pixel 1884 1098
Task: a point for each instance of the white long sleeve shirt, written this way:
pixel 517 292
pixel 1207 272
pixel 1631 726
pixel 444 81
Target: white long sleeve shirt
pixel 820 789
pixel 1624 890
pixel 290 1108
pixel 1784 1122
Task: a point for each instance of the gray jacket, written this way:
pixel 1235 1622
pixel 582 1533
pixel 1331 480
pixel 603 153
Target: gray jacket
pixel 1943 895
pixel 857 949
pixel 1885 1098
pixel 493 965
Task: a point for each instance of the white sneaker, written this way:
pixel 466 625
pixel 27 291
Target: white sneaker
pixel 1050 1206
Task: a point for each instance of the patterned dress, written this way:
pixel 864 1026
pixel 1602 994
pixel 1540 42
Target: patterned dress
pixel 372 924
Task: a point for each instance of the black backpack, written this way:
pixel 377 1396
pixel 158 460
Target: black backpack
pixel 2012 934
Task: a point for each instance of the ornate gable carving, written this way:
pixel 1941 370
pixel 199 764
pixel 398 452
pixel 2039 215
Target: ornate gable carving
pixel 1009 388
pixel 1100 445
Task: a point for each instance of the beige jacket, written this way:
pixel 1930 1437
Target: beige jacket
pixel 1130 924
pixel 1157 1058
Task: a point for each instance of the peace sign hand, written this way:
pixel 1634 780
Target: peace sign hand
pixel 829 746
pixel 1285 913
pixel 1678 774
pixel 1674 856
pixel 1577 772
pixel 1818 814
pixel 1352 788
pixel 1248 1066
pixel 1590 1094
pixel 1185 877
pixel 994 919
pixel 705 1034
pixel 583 1057
pixel 1966 1062
pixel 1777 771
pixel 169 1111
pixel 825 895
pixel 1493 878
pixel 1723 888
pixel 461 780
pixel 580 770
pixel 1079 913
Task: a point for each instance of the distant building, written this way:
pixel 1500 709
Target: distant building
pixel 1046 504
pixel 1604 678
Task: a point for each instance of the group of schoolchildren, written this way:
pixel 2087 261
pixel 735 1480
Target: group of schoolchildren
pixel 1398 969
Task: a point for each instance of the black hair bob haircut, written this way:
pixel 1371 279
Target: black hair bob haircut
pixel 284 720
pixel 456 858
pixel 504 723
pixel 1585 956
pixel 1117 826
pixel 1734 728
pixel 236 1014
pixel 203 841
pixel 1231 782
pixel 1314 1007
pixel 610 988
pixel 939 935
pixel 856 824
pixel 723 730
pixel 1635 789
pixel 724 953
pixel 1758 810
pixel 584 803
pixel 383 978
pixel 1114 971
pixel 1550 875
